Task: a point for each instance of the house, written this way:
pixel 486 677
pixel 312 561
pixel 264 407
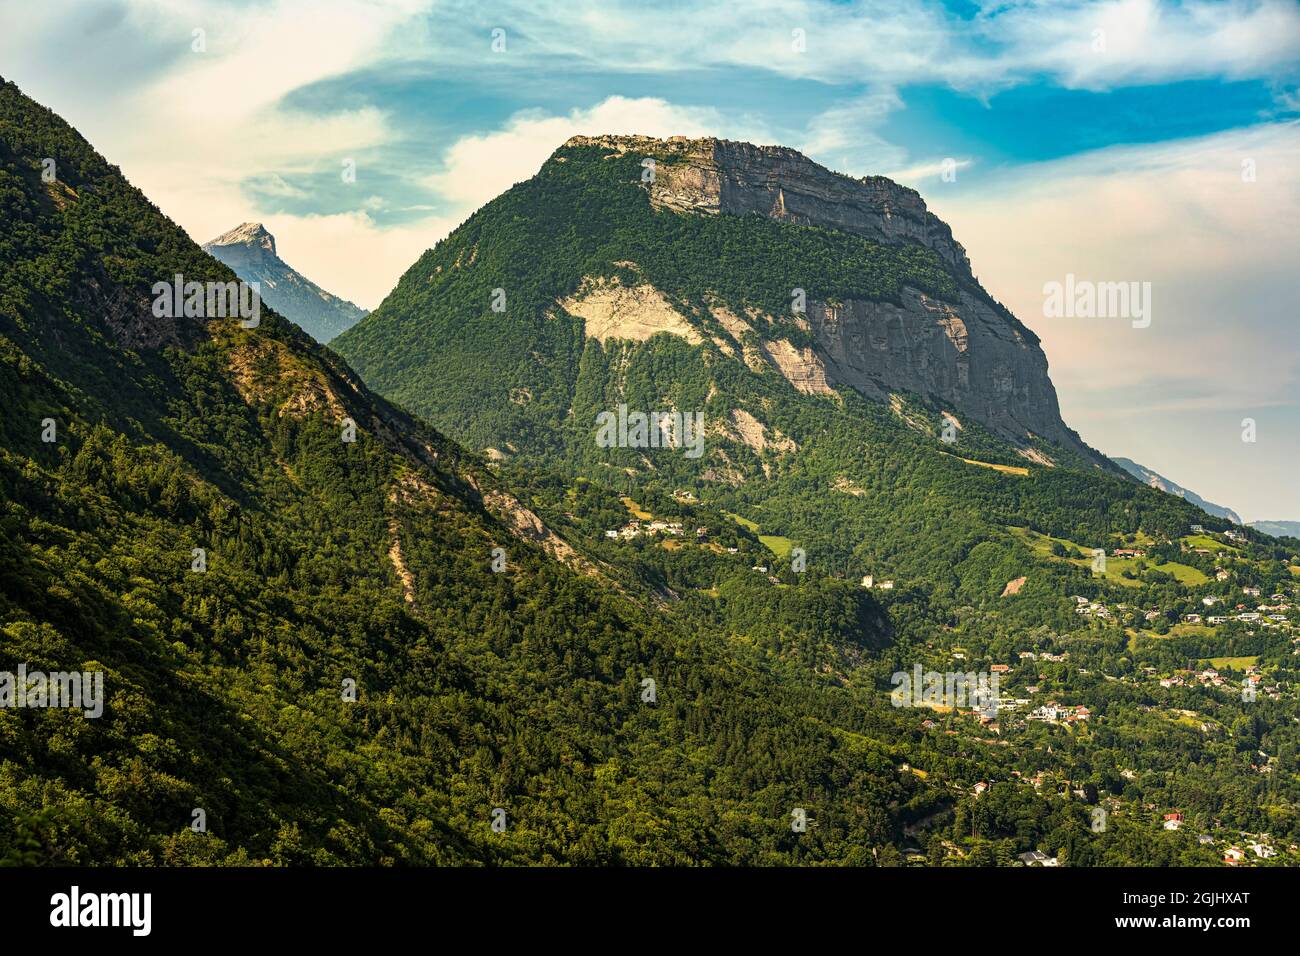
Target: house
pixel 1000 668
pixel 1197 529
pixel 886 585
pixel 1211 600
pixel 1233 855
pixel 1263 851
pixel 1038 858
pixel 979 788
pixel 1192 618
pixel 1204 838
pixel 1216 619
pixel 1173 821
pixel 868 580
pixel 1250 592
pixel 1128 553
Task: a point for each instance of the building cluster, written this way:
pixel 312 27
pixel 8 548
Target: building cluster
pixel 635 529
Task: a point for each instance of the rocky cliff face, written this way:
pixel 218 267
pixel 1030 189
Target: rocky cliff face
pixel 249 250
pixel 719 176
pixel 965 350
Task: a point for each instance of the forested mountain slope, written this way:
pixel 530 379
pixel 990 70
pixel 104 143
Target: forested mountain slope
pixel 525 686
pixel 897 434
pixel 330 561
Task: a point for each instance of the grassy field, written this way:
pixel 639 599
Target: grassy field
pixel 1178 630
pixel 1041 545
pixel 1206 542
pixel 743 522
pixel 1231 663
pixel 1005 469
pixel 778 545
pixel 636 510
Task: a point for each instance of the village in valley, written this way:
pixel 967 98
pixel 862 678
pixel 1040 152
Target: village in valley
pixel 1146 594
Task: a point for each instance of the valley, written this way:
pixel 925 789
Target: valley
pixel 442 561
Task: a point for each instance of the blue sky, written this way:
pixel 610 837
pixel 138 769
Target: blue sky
pixel 1106 140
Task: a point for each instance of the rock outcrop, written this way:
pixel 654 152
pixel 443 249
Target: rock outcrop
pixel 965 350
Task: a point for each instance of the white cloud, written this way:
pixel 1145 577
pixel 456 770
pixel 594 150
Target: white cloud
pixel 1121 42
pixel 349 255
pixel 882 43
pixel 844 137
pixel 1220 254
pixel 480 167
pixel 931 169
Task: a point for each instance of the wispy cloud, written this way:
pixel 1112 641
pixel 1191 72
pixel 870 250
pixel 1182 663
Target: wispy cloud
pixel 478 167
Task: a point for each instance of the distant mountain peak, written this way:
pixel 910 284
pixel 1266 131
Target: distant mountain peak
pixel 1161 483
pixel 245 234
pixel 250 251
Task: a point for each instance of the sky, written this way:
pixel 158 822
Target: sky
pixel 1116 141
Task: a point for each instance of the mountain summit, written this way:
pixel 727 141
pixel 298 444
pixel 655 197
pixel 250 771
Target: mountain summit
pixel 248 235
pixel 249 250
pixel 755 257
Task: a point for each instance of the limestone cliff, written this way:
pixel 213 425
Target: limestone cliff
pixel 966 350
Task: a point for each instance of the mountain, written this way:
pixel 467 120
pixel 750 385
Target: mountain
pixel 328 635
pixel 1278 529
pixel 734 340
pixel 331 635
pixel 607 282
pixel 249 250
pixel 753 255
pixel 1149 477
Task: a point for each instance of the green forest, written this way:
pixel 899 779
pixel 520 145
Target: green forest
pixel 397 650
